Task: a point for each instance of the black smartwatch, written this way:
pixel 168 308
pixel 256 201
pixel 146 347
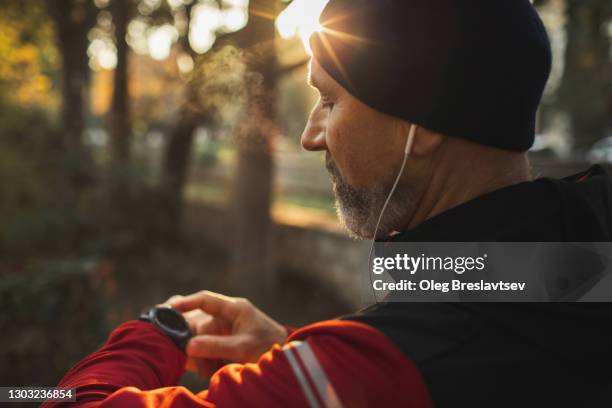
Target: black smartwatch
pixel 170 322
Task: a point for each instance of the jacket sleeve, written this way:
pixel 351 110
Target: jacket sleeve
pixel 136 354
pixel 330 364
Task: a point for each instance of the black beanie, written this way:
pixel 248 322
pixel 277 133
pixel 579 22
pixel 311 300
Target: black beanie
pixel 473 69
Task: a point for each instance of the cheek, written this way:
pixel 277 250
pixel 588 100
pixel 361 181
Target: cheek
pixel 363 145
pixel 351 148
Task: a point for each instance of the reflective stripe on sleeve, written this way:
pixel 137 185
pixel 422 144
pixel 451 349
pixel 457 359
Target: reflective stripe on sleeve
pixel 323 390
pixel 310 397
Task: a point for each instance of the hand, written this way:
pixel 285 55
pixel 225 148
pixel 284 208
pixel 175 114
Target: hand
pixel 203 323
pixel 226 328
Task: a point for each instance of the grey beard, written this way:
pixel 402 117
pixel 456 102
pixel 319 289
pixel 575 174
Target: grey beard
pixel 358 210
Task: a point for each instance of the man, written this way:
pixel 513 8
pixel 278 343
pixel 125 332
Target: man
pixel 453 87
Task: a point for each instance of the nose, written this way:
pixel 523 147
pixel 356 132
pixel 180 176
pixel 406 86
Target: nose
pixel 313 137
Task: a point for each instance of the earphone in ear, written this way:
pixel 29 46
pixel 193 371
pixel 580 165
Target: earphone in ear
pixel 409 142
pixel 407 151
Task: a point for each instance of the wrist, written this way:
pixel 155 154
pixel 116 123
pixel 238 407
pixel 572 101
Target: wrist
pixel 289 330
pixel 281 334
pixel 156 359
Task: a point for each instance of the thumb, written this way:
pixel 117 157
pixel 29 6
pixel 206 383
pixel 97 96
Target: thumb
pixel 232 347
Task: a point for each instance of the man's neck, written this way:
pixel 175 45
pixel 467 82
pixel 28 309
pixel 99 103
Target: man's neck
pixel 456 181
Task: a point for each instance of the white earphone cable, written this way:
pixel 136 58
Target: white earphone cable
pixel 407 150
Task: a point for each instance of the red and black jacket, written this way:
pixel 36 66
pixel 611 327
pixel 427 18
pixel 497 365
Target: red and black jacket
pixel 411 354
pixel 328 364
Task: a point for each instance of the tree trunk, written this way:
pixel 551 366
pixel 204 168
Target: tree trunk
pixel 252 266
pixel 586 91
pixel 176 162
pixel 177 154
pixel 120 133
pixel 72 25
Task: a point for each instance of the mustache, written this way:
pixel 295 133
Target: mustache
pixel 331 167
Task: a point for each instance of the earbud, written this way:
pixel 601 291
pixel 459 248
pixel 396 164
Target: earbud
pixel 410 140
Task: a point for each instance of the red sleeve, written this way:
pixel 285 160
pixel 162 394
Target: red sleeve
pixel 136 354
pixel 363 366
pixel 333 363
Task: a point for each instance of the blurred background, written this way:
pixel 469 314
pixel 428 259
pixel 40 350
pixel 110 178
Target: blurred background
pixel 151 147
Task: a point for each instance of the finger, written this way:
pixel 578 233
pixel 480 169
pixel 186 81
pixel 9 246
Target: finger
pixel 191 365
pixel 217 347
pixel 209 326
pixel 212 303
pixel 173 299
pixel 196 317
pixel 195 314
pixel 212 326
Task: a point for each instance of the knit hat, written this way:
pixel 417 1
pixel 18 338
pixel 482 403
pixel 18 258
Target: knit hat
pixel 470 69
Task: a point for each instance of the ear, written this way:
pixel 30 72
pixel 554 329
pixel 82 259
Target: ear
pixel 426 142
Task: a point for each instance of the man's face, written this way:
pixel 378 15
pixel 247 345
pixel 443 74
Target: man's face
pixel 364 150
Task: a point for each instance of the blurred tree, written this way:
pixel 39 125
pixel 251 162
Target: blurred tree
pixel 73 20
pixel 120 128
pixel 175 21
pixel 28 169
pixel 28 57
pixel 586 90
pixel 33 197
pixel 251 265
pixel 178 149
pixel 254 160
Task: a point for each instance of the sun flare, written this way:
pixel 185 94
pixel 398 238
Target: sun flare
pixel 301 18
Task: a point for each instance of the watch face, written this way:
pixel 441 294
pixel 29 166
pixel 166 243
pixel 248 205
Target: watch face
pixel 171 319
